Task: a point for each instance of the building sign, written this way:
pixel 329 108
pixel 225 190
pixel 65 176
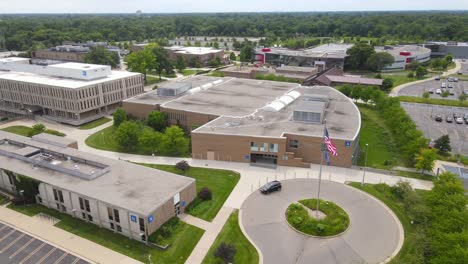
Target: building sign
pixel 347 144
pixel 133 218
pixel 182 203
pixel 247 157
pixel 84 73
pixel 150 219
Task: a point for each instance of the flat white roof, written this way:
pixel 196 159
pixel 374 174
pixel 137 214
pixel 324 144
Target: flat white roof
pixel 193 50
pixel 62 82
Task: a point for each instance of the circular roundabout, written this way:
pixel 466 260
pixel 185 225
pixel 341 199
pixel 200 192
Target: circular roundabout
pixel 350 227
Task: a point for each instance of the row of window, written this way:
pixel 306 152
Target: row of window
pixel 176 116
pixel 264 147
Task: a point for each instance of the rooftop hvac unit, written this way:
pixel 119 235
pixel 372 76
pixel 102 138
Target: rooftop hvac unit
pixel 309 111
pixel 174 89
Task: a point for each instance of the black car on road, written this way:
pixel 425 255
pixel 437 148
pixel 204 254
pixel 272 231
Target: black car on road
pixel 271 187
pixel 438 118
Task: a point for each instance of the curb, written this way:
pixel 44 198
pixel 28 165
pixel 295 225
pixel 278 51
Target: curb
pixel 260 254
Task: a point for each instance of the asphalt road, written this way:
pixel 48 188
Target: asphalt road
pixel 424 117
pixel 18 247
pixel 418 89
pixel 374 234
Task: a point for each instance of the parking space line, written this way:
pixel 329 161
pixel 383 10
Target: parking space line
pixel 76 261
pixel 32 253
pixel 22 247
pixel 3 227
pixel 47 255
pixel 7 235
pixel 61 258
pixel 12 243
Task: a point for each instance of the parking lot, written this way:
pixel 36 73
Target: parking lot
pixel 419 88
pixel 17 247
pixel 424 117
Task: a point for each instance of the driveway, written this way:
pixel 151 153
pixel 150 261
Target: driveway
pixel 375 234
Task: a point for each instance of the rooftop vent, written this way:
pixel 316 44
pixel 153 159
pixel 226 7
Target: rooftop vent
pixel 310 111
pixel 174 89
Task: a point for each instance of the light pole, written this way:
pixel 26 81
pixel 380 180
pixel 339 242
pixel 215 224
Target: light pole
pixel 365 165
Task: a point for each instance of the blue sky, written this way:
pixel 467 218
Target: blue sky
pixel 178 6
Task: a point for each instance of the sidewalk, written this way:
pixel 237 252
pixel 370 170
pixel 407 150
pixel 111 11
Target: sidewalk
pixel 44 230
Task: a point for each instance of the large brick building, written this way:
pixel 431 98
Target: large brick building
pixel 256 121
pixel 126 198
pixel 72 93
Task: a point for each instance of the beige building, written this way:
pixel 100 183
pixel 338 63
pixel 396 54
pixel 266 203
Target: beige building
pixel 300 74
pixel 126 198
pixel 203 54
pixel 256 121
pixel 72 93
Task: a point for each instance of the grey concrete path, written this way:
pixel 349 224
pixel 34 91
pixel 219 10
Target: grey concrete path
pixel 374 236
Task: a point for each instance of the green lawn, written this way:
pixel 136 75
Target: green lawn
pixel 414 175
pixel 411 242
pixel 95 123
pixel 186 72
pixel 183 240
pixel 152 80
pixel 24 131
pixel 104 139
pixel 220 182
pixel 433 101
pixel 383 152
pixel 232 234
pixel 3 199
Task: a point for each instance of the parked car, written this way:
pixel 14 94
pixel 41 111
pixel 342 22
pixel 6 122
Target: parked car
pixel 443 85
pixel 455 79
pixel 450 86
pixel 456 115
pixel 271 187
pixel 449 119
pixel 452 92
pixel 431 91
pixel 460 73
pixel 438 118
pixel 437 78
pixel 459 120
pixel 450 79
pixel 438 91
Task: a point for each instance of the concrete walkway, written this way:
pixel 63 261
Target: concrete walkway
pixel 44 230
pixel 397 89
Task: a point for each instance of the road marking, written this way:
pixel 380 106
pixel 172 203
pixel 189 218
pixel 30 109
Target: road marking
pixel 76 261
pixel 22 248
pixel 61 258
pixel 11 232
pixel 32 253
pixel 46 255
pixel 12 243
pixel 3 227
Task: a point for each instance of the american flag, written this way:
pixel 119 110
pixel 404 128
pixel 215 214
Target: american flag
pixel 331 148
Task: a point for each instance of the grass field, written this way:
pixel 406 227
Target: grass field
pixel 384 194
pixel 383 153
pixel 152 80
pixel 433 101
pixel 220 182
pixel 24 131
pixel 183 239
pixel 186 72
pixel 232 234
pixel 95 123
pixel 414 175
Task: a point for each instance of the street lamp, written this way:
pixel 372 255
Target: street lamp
pixel 365 165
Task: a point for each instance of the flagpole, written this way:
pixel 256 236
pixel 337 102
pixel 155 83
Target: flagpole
pixel 322 149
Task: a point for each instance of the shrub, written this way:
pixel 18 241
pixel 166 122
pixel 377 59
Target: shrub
pixel 182 165
pixel 410 75
pixel 36 129
pixel 205 194
pixel 226 252
pixel 401 189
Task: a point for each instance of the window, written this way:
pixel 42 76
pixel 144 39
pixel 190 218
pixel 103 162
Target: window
pixel 87 205
pixel 116 215
pixel 83 215
pixel 55 195
pixel 253 146
pixel 112 226
pixel 109 213
pixel 11 180
pixel 273 148
pixel 39 199
pixel 264 147
pixel 64 209
pixel 58 206
pixel 142 224
pixel 119 228
pixel 81 203
pixel 60 194
pixel 294 143
pixel 90 218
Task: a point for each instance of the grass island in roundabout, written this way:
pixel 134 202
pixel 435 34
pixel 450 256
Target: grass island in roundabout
pixel 329 220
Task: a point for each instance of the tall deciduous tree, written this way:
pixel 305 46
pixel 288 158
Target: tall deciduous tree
pixel 100 55
pixel 180 64
pixel 425 160
pixel 246 53
pixel 127 135
pixel 157 120
pixel 359 54
pixel 162 63
pixel 174 141
pixel 120 115
pixel 150 138
pixel 377 61
pixel 141 61
pixel 443 144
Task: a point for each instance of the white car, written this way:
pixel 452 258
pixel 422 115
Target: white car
pixel 459 120
pixel 444 85
pixel 438 91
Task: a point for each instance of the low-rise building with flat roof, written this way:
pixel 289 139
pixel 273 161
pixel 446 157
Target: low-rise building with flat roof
pixel 300 74
pixel 258 121
pixel 459 50
pixel 404 55
pixel 202 54
pixel 324 56
pixel 129 199
pixel 72 93
pixel 335 77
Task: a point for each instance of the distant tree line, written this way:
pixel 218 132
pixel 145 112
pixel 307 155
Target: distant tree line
pixel 23 32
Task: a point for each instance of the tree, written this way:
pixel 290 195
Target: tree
pixel 443 144
pixel 194 62
pixel 174 141
pixel 462 97
pixel 120 115
pixel 214 62
pixel 157 120
pixel 359 54
pixel 410 75
pixel 141 61
pixel 162 63
pixel 127 135
pixel 413 65
pixel 232 56
pixel 425 160
pixel 102 56
pixel 445 94
pixel 180 64
pixel 426 95
pixel 150 138
pixel 421 71
pixel 449 58
pixel 36 129
pixel 246 53
pixel 226 252
pixel 387 84
pixel 377 61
